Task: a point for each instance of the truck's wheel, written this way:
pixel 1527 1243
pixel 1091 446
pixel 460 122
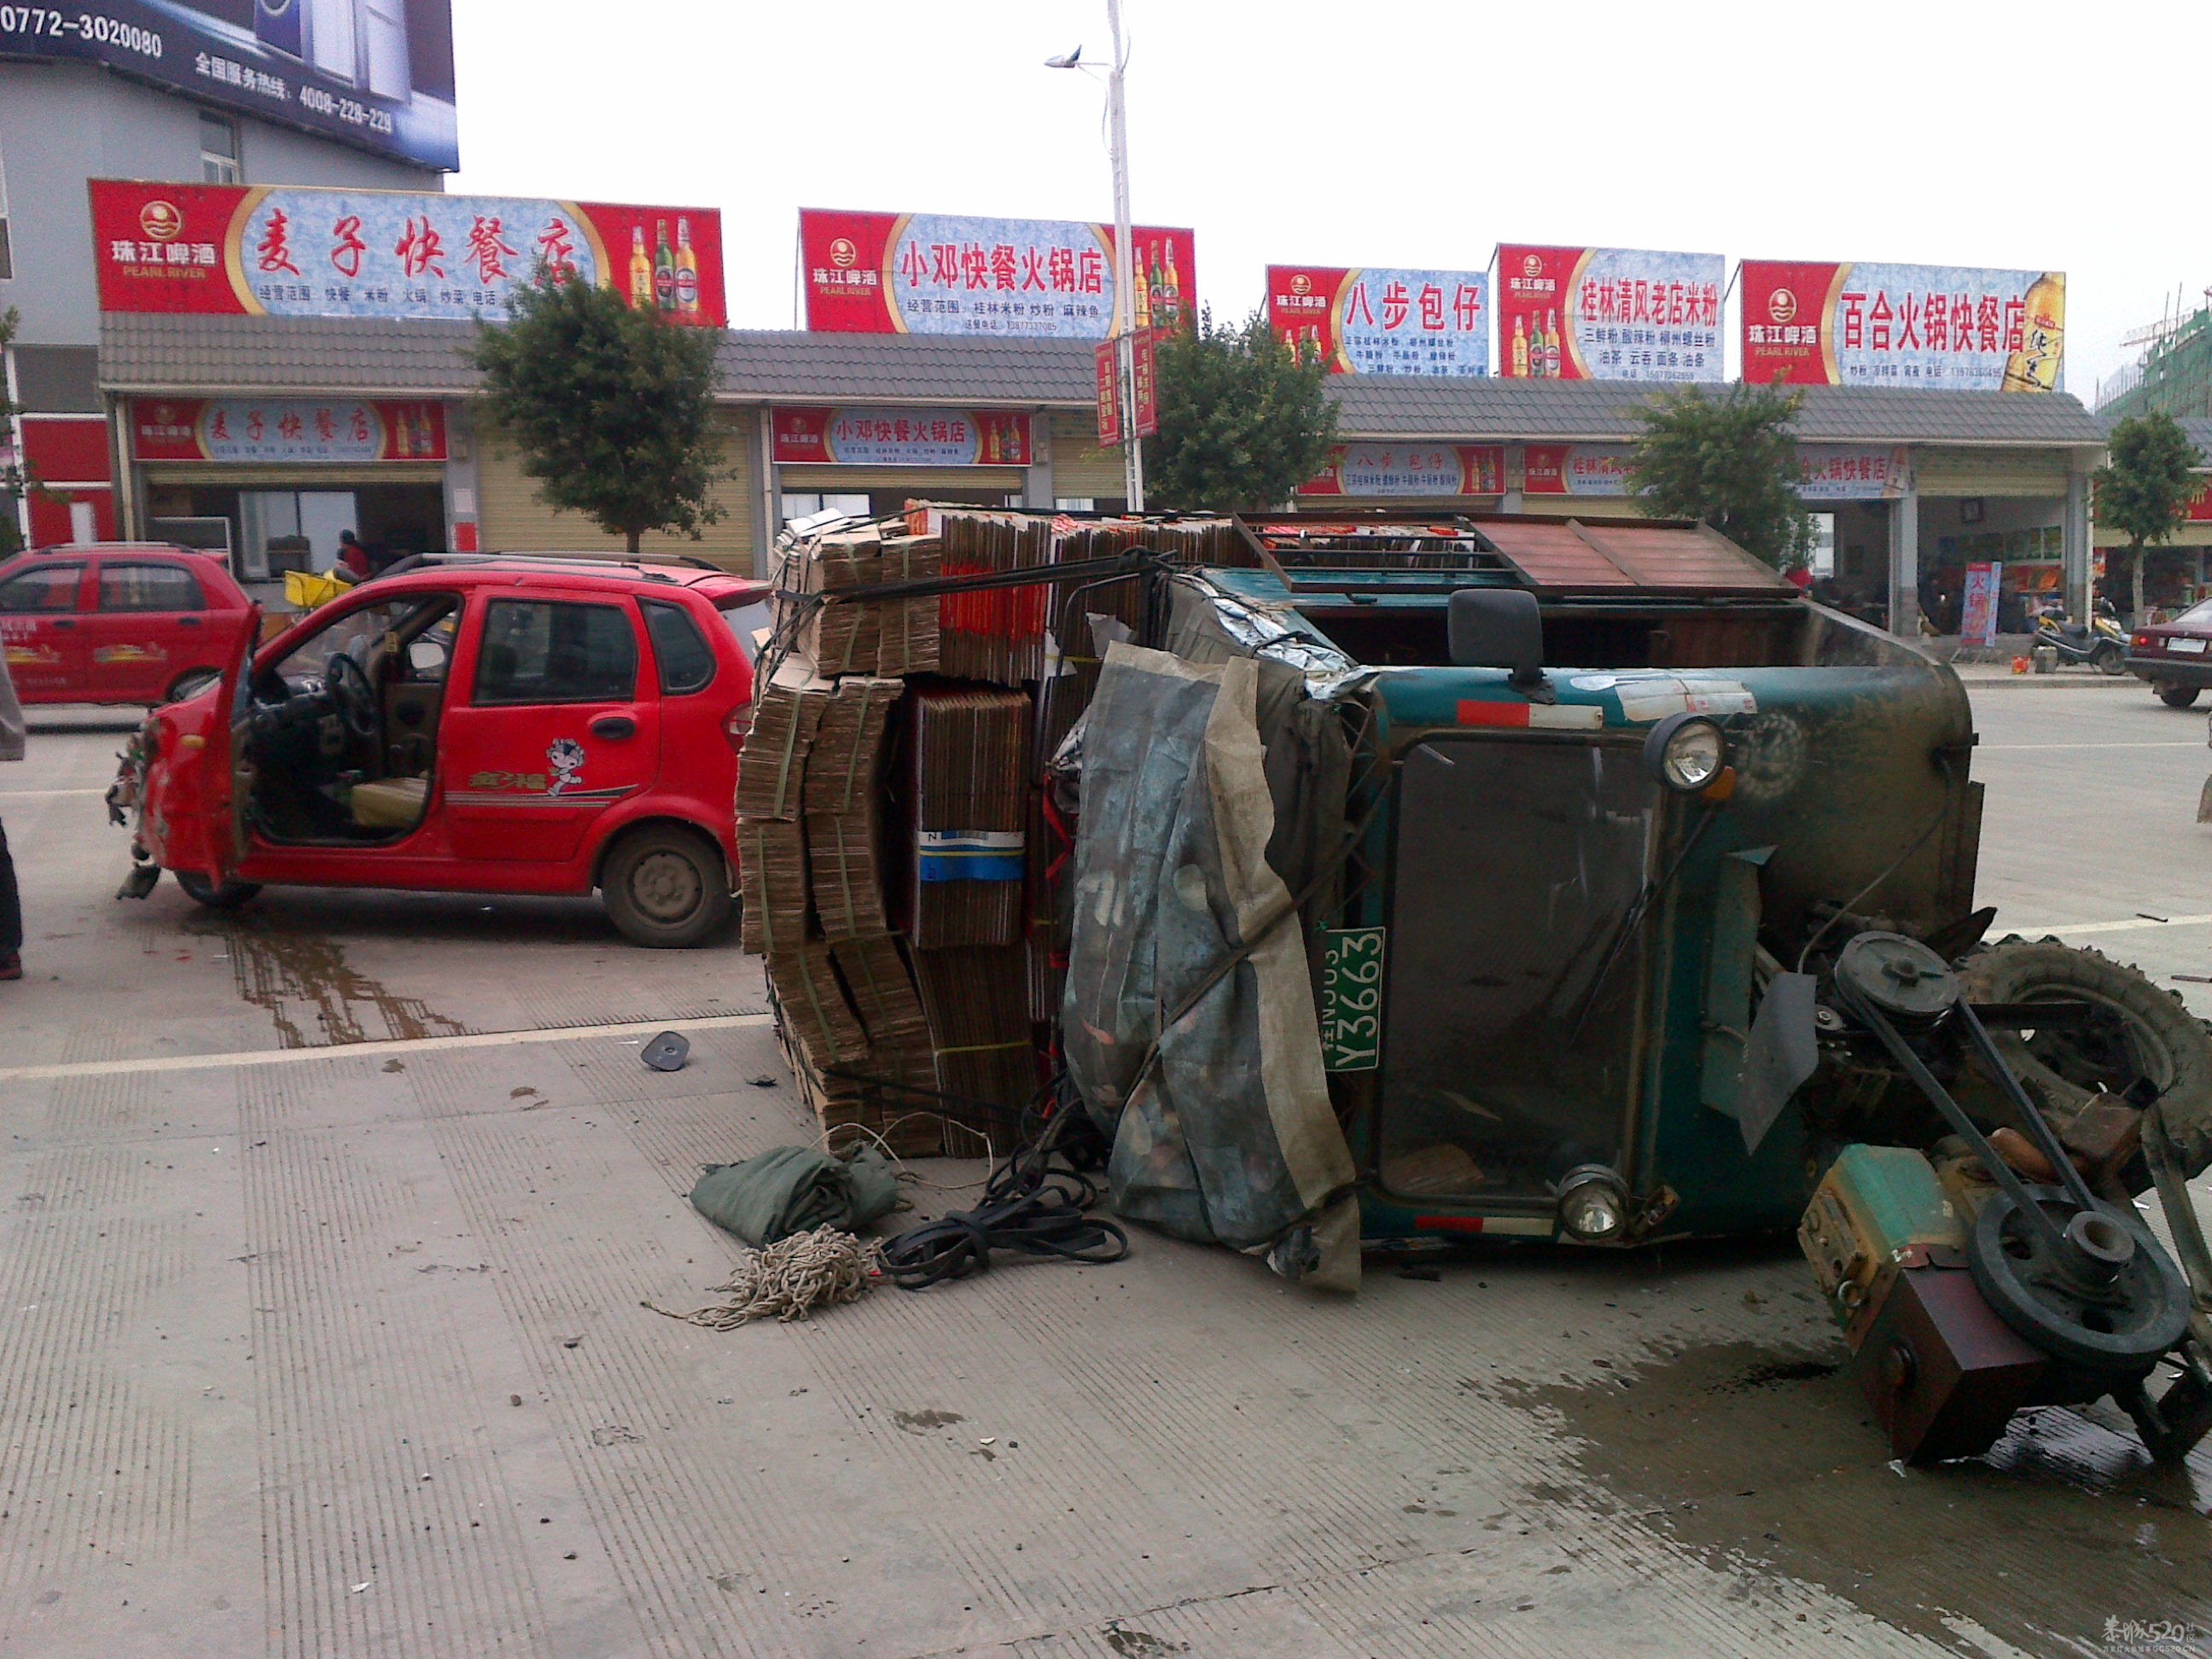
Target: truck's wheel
pixel 228 895
pixel 2177 696
pixel 2141 1043
pixel 665 887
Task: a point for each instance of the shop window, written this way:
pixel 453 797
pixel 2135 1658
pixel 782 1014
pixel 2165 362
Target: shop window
pixel 1075 503
pixel 1824 545
pixel 803 505
pixel 220 161
pixel 685 659
pixel 149 587
pixel 539 651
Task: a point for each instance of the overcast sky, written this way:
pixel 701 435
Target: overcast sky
pixel 1388 132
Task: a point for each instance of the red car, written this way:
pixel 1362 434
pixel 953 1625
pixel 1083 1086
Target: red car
pixel 494 723
pixel 118 622
pixel 2175 656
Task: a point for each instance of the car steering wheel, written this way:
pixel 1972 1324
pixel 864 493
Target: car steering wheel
pixel 348 683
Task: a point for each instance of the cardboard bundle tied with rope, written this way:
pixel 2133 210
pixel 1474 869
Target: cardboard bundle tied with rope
pixel 836 638
pixel 907 629
pixel 843 791
pixel 969 812
pixel 772 884
pixel 977 1000
pixel 786 711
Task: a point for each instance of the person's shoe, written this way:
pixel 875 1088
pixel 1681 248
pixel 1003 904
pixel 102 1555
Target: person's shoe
pixel 11 966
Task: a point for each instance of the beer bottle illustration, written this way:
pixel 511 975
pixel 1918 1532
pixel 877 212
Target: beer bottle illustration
pixel 1174 286
pixel 641 272
pixel 1551 345
pixel 402 436
pixel 1144 295
pixel 664 271
pixel 1519 369
pixel 687 271
pixel 990 441
pixel 2034 362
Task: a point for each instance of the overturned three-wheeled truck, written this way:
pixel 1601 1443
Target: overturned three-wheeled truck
pixel 1387 929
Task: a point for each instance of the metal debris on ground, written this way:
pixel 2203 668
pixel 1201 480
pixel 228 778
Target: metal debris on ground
pixel 790 1280
pixel 668 1051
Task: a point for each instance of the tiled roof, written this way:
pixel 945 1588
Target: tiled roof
pixel 289 353
pixel 1498 410
pixel 888 368
pixel 2198 432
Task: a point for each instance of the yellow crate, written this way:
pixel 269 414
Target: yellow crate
pixel 306 589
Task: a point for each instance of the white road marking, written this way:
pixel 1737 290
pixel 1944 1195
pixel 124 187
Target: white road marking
pixel 44 794
pixel 2070 929
pixel 2153 743
pixel 398 1046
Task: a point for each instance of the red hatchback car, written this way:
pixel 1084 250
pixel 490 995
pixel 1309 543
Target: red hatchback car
pixel 118 622
pixel 2175 656
pixel 494 723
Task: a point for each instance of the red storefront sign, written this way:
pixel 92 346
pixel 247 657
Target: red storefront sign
pixel 1575 470
pixel 1964 328
pixel 235 249
pixel 306 431
pixel 1109 360
pixel 1599 314
pixel 901 437
pixel 1372 320
pixel 924 273
pixel 1145 382
pixel 1411 469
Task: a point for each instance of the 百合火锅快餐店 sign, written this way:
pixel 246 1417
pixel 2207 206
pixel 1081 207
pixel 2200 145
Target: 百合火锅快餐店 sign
pixel 1961 328
pixel 280 250
pixel 901 437
pixel 1410 469
pixel 1608 314
pixel 937 273
pixel 304 431
pixel 1374 321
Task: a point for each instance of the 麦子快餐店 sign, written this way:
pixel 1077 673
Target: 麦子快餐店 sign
pixel 936 273
pixel 1575 470
pixel 1374 321
pixel 1410 469
pixel 307 431
pixel 234 250
pixel 901 437
pixel 1956 327
pixel 1608 314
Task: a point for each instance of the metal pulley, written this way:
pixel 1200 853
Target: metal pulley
pixel 1901 976
pixel 2091 1288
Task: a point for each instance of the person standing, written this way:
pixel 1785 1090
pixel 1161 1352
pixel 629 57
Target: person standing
pixel 11 904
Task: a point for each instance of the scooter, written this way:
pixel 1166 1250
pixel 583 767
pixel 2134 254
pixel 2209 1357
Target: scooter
pixel 2104 646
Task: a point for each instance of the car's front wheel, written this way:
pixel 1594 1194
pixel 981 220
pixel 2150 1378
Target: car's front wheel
pixel 666 887
pixel 217 895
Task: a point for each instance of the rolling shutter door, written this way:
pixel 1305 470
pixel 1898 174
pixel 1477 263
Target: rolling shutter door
pixel 1080 468
pixel 1989 471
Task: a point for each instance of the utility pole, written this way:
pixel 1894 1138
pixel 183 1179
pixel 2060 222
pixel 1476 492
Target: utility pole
pixel 1125 289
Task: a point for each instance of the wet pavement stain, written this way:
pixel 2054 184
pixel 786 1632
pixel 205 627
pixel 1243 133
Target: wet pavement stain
pixel 314 996
pixel 1769 1464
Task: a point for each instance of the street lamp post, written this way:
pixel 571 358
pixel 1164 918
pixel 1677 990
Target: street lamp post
pixel 1125 322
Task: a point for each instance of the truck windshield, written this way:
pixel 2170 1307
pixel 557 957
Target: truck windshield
pixel 1510 1047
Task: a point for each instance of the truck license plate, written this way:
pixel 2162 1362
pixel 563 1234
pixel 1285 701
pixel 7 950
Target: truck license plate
pixel 1352 999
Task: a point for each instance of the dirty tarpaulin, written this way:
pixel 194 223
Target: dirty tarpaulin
pixel 1222 1130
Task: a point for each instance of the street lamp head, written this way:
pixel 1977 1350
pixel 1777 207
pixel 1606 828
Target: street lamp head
pixel 1065 60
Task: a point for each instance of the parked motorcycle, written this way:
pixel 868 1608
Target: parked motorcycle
pixel 2103 646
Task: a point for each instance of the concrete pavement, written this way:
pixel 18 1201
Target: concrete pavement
pixel 320 1335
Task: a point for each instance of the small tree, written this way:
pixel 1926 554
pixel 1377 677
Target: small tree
pixel 15 482
pixel 1242 421
pixel 2143 488
pixel 612 409
pixel 1730 461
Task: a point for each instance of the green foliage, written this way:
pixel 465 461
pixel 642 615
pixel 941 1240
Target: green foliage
pixel 15 482
pixel 1729 460
pixel 612 409
pixel 1242 421
pixel 2145 486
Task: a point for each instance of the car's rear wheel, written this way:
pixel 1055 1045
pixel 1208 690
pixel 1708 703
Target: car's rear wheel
pixel 666 887
pixel 2178 696
pixel 217 895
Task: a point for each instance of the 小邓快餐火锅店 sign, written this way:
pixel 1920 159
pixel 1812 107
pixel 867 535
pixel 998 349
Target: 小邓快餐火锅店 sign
pixel 900 437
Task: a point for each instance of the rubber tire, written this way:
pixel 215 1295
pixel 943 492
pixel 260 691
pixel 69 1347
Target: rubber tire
pixel 2174 1045
pixel 2109 658
pixel 229 896
pixel 650 875
pixel 2178 696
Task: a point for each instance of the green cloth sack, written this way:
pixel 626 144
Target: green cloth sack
pixel 795 1189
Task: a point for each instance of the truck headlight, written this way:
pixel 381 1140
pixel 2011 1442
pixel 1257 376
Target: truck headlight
pixel 1685 753
pixel 1593 1204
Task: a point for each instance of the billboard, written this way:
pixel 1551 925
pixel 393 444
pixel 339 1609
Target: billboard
pixel 1576 469
pixel 312 431
pixel 1852 472
pixel 377 74
pixel 1410 469
pixel 256 251
pixel 1378 321
pixel 934 273
pixel 1608 314
pixel 1949 326
pixel 903 437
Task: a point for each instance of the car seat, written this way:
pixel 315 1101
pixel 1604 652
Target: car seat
pixel 389 803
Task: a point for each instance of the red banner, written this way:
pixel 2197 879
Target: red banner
pixel 1373 320
pixel 1961 328
pixel 236 250
pixel 1597 313
pixel 1145 382
pixel 1411 469
pixel 1575 469
pixel 307 431
pixel 901 437
pixel 1108 357
pixel 917 273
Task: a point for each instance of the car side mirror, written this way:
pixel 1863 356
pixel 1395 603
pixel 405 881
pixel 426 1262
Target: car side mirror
pixel 1498 628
